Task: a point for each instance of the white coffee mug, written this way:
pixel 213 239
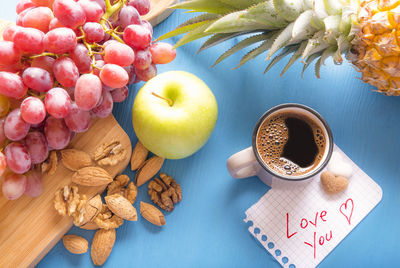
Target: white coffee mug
pixel 248 163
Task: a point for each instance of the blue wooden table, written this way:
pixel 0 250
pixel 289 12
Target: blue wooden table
pixel 206 229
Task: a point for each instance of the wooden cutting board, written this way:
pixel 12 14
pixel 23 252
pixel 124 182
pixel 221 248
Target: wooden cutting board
pixel 30 227
pixel 159 11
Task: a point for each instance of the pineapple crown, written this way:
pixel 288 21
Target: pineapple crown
pixel 308 29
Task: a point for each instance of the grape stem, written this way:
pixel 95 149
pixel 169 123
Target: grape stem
pixel 46 54
pixel 170 102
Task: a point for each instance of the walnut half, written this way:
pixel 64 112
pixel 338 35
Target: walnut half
pixel 165 192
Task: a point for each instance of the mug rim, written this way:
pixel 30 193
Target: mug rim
pixel 289 105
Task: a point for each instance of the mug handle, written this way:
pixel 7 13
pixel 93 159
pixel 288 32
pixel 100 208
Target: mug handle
pixel 243 164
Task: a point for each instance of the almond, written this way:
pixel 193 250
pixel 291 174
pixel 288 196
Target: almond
pixel 75 159
pixel 89 226
pixel 75 244
pixel 102 244
pixel 139 155
pixel 92 209
pixel 121 207
pixel 148 170
pixel 91 176
pixel 152 214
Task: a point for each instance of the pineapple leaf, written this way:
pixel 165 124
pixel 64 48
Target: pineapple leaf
pixel 234 23
pixel 200 18
pixel 295 57
pixel 276 59
pixel 307 4
pixel 218 38
pixel 342 46
pixel 282 40
pixel 309 60
pixel 197 33
pixel 319 9
pixel 333 7
pixel 265 13
pixel 329 52
pixel 315 45
pixel 317 68
pixel 242 44
pixel 255 52
pixel 184 29
pixel 288 9
pixel 302 28
pixel 241 4
pixel 210 6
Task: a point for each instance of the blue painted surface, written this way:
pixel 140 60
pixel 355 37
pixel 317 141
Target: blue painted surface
pixel 206 229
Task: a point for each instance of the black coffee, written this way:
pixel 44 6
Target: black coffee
pixel 290 143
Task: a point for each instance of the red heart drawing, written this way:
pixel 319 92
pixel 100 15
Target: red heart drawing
pixel 347 209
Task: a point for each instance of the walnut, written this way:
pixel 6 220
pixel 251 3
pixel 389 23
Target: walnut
pixel 50 166
pixel 106 220
pixel 122 186
pixel 67 201
pixel 110 153
pixel 165 192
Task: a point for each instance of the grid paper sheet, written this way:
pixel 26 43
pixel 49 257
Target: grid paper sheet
pixel 300 226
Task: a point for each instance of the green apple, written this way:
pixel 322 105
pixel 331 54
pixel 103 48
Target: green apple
pixel 174 114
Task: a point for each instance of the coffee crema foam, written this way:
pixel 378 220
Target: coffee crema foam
pixel 272 137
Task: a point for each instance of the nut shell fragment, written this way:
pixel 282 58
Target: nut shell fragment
pixel 139 155
pixel 75 159
pixel 152 214
pixel 50 166
pixel 92 209
pixel 75 244
pixel 121 207
pixel 102 245
pixel 92 176
pixel 147 171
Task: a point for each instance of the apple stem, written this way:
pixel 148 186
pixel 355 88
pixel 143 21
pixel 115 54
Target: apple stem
pixel 164 98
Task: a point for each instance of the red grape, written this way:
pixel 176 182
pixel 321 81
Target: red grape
pixel 77 120
pixel 11 85
pixel 36 144
pixel 15 128
pixel 58 102
pixel 137 36
pixel 113 76
pixel 162 53
pixel 131 73
pixel 24 4
pixel 146 74
pixel 105 107
pixel 65 72
pixel 33 110
pixel 57 133
pixel 14 186
pixel 100 64
pixel 120 94
pixel 94 32
pixel 81 58
pixel 88 91
pixel 29 40
pixel 38 18
pixel 34 185
pixel 101 3
pixel 118 53
pixel 3 163
pixel 18 158
pixel 129 15
pixel 148 25
pixel 8 33
pixel 37 78
pixel 54 24
pixel 44 62
pixel 143 59
pixel 60 40
pixel 9 54
pixel 92 9
pixel 143 6
pixel 69 13
pixel 20 17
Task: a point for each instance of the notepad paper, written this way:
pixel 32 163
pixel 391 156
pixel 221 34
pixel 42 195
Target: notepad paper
pixel 299 226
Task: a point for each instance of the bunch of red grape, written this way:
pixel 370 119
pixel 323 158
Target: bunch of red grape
pixel 65 62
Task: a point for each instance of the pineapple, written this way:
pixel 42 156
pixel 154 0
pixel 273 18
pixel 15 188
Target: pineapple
pixel 365 31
